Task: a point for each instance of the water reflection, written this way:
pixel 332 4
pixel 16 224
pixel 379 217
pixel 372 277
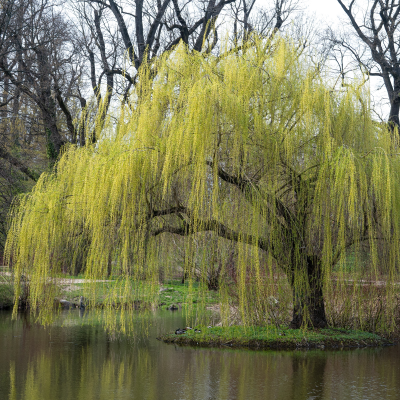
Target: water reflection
pixel 81 362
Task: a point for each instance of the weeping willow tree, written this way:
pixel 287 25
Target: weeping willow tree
pixel 254 147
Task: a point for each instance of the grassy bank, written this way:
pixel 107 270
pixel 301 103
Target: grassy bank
pixel 272 338
pixel 171 295
pixel 6 292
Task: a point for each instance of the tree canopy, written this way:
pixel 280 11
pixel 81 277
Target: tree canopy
pixel 253 146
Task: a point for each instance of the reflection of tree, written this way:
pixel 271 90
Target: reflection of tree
pixel 308 375
pixel 93 367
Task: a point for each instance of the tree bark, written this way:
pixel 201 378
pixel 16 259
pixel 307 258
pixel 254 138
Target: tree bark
pixel 308 302
pixel 395 108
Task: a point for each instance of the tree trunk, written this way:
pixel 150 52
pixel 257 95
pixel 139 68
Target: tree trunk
pixel 47 105
pixel 395 108
pixel 54 141
pixel 394 115
pixel 308 303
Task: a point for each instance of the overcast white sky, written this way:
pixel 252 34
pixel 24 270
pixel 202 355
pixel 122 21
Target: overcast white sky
pixel 328 10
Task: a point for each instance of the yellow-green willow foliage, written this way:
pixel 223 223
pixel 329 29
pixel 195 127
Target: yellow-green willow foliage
pixel 252 146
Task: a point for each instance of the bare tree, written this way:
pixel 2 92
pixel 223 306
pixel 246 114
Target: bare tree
pixel 37 60
pixel 249 17
pixel 119 36
pixel 376 48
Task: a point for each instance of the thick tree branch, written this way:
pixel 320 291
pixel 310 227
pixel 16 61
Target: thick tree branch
pixel 100 40
pixel 251 192
pixel 141 45
pixel 95 86
pixel 67 114
pixel 212 13
pixel 156 23
pixel 125 35
pixel 188 228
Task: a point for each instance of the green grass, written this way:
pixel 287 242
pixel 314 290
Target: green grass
pixel 171 293
pixel 6 292
pixel 175 292
pixel 271 337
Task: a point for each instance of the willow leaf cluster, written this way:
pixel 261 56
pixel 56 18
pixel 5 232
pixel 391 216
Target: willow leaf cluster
pixel 252 147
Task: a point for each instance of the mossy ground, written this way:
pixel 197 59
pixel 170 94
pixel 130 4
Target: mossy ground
pixel 271 337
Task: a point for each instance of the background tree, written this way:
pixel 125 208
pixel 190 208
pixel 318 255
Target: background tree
pixel 38 62
pixel 248 17
pixel 118 38
pixel 374 45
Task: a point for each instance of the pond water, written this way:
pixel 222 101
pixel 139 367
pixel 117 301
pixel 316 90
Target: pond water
pixel 77 361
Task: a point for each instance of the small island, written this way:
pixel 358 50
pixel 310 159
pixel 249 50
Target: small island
pixel 274 338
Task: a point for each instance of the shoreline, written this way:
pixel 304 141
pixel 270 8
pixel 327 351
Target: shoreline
pixel 272 338
pixel 174 295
